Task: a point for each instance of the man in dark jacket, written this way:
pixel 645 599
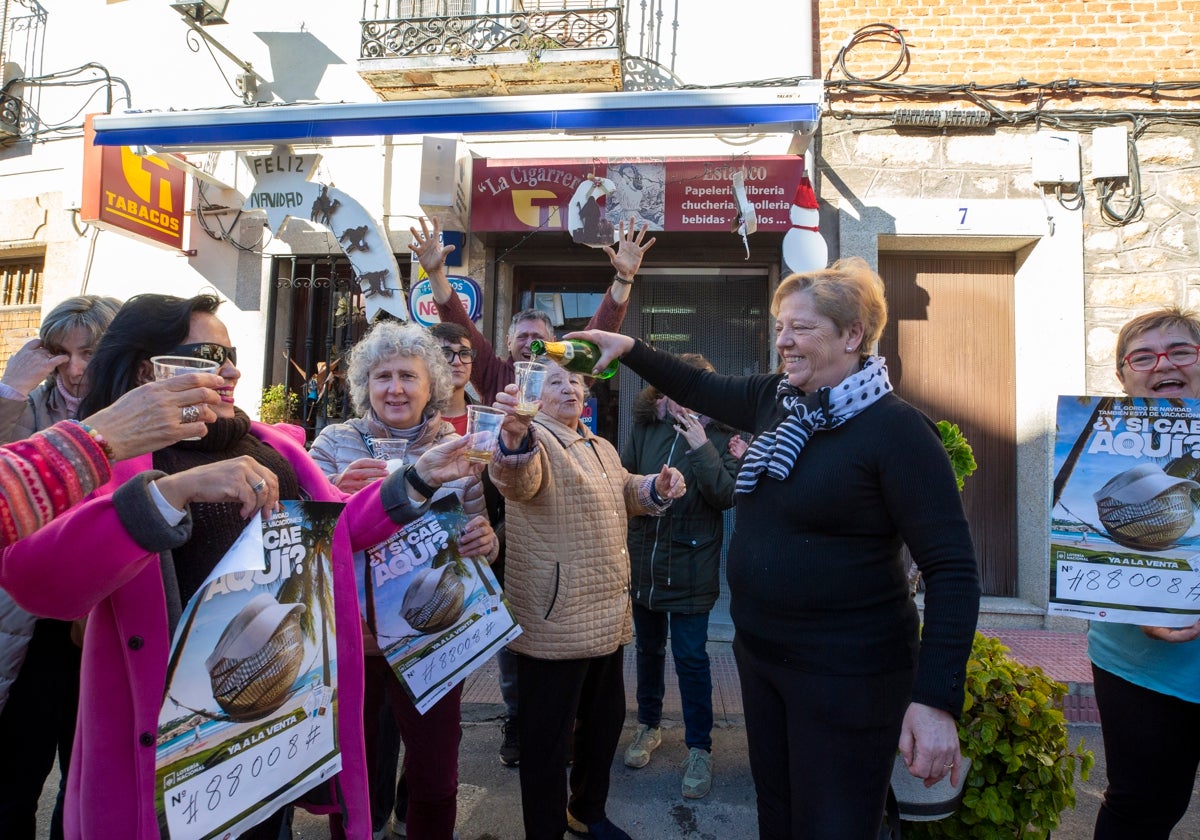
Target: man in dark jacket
pixel 675 568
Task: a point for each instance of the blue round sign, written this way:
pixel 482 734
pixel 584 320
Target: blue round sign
pixel 424 310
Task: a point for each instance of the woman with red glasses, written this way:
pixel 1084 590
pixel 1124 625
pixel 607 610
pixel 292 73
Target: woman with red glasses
pixel 133 555
pixel 1147 679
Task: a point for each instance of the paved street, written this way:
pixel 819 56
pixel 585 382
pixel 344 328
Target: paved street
pixel 647 802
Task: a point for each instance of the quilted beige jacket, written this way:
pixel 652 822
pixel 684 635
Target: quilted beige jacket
pixel 339 445
pixel 567 569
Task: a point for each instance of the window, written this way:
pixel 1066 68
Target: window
pixel 21 281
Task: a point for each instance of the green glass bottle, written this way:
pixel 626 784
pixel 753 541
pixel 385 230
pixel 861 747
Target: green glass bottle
pixel 574 354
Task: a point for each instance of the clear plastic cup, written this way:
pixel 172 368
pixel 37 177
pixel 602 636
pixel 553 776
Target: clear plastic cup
pixel 530 378
pixel 483 431
pixel 389 449
pixel 166 367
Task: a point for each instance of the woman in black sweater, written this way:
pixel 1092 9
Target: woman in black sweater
pixel 841 475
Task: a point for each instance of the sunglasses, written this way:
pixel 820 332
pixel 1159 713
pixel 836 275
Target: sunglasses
pixel 465 355
pixel 208 350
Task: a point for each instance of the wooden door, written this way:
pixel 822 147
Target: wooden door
pixel 949 345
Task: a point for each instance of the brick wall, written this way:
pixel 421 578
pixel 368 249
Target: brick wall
pixel 998 41
pixel 17 325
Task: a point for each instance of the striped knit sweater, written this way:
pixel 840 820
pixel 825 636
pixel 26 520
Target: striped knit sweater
pixel 44 475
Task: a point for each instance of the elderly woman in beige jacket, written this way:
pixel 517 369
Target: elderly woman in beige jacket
pixel 567 579
pixel 399 384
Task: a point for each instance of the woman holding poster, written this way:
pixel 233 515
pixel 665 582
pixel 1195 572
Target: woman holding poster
pixel 133 555
pixel 1148 678
pixel 568 504
pixel 399 384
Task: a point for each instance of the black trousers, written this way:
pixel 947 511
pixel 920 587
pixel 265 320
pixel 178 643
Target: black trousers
pixel 37 723
pixel 554 694
pixel 821 747
pixel 1151 749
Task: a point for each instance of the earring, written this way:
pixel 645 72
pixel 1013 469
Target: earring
pixel 849 349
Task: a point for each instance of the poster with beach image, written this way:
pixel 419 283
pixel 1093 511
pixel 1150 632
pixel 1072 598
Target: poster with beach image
pixel 1124 530
pixel 248 720
pixel 436 615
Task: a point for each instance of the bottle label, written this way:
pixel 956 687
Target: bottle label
pixel 568 351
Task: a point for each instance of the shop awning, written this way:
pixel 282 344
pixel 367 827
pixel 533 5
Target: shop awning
pixel 795 108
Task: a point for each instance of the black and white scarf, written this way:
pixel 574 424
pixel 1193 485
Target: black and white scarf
pixel 775 452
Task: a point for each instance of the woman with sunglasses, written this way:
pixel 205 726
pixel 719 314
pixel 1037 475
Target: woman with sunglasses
pixel 135 553
pixel 399 384
pixel 1148 678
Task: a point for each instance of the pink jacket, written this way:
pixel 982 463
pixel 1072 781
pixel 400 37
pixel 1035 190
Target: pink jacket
pixel 87 561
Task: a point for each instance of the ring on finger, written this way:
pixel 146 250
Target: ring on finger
pixel 190 413
pixel 259 487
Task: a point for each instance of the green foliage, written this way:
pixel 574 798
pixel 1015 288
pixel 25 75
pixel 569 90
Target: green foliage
pixel 1022 767
pixel 278 405
pixel 962 457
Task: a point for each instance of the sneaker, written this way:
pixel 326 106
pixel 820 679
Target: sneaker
pixel 645 741
pixel 697 774
pixel 510 750
pixel 603 830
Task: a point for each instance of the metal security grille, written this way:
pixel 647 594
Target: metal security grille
pixel 318 316
pixel 723 314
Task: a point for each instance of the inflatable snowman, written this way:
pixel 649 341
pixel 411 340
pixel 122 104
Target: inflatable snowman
pixel 804 248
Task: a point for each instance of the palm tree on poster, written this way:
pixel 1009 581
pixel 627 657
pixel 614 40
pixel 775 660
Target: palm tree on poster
pixel 312 587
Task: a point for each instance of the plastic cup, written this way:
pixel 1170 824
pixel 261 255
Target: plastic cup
pixel 391 450
pixel 166 367
pixel 530 378
pixel 483 432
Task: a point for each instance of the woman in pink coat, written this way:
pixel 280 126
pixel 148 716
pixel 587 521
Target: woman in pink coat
pixel 133 555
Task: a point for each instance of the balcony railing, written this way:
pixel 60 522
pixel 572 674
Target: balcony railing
pixel 390 30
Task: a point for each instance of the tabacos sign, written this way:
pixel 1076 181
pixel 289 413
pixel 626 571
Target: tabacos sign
pixel 424 310
pixel 138 195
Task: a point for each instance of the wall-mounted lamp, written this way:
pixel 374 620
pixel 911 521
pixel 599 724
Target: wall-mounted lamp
pixel 203 12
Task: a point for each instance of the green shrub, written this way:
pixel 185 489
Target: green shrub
pixel 1022 773
pixel 278 405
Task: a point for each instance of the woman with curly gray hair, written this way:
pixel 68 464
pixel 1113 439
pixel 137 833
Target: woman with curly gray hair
pixel 399 384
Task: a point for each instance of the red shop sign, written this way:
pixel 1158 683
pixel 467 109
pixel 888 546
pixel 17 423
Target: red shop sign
pixel 675 194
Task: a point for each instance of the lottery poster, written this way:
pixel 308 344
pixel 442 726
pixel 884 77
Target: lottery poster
pixel 1124 535
pixel 248 721
pixel 436 615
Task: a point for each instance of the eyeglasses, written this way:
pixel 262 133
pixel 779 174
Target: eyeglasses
pixel 1182 355
pixel 465 355
pixel 209 350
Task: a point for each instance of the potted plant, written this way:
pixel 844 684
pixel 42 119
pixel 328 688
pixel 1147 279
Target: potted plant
pixel 1022 768
pixel 278 405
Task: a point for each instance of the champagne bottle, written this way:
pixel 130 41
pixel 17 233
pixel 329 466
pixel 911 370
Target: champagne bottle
pixel 574 354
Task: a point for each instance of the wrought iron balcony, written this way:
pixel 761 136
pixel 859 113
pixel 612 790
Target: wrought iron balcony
pixel 447 48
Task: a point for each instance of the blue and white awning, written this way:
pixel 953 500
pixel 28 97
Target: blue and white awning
pixel 765 109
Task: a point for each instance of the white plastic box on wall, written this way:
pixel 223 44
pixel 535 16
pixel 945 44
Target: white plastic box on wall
pixel 1056 158
pixel 1110 152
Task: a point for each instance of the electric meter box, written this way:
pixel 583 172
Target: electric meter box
pixel 1110 152
pixel 1056 158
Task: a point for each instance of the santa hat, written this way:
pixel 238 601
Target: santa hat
pixel 805 197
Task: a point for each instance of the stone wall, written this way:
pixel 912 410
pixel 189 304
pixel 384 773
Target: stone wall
pixel 1128 269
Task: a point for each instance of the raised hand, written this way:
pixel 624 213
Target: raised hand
pixel 155 415
pixel 427 246
pixel 446 462
pixel 690 427
pixel 631 247
pixel 515 426
pixel 29 366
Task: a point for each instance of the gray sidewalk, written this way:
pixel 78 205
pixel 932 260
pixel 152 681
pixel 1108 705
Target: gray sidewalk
pixel 647 802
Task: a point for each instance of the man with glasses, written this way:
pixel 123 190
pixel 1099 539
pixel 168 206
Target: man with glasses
pixel 490 373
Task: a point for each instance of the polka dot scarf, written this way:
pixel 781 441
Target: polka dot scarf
pixel 775 452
